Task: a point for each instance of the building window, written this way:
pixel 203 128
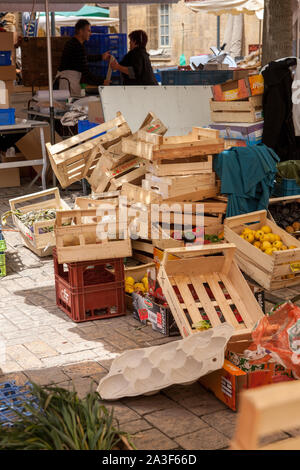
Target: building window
pixel 164 25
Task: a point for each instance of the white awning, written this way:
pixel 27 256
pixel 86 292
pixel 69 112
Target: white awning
pixel 233 7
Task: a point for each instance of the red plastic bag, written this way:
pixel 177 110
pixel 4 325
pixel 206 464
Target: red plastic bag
pixel 279 335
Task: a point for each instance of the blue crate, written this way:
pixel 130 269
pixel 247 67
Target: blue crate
pixel 85 125
pixel 190 77
pixel 70 30
pixel 7 116
pixel 13 398
pixel 286 187
pixel 116 44
pixel 101 69
pixel 5 57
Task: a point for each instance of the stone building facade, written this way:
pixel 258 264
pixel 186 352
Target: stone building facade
pixel 190 33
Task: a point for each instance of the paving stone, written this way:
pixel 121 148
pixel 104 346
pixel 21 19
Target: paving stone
pixel 68 358
pixel 84 369
pixel 223 421
pixel 134 427
pixel 203 439
pixel 123 413
pixel 19 377
pixel 145 405
pixel 9 366
pixel 52 375
pixel 40 349
pixel 153 439
pixel 24 357
pixel 82 385
pixel 175 421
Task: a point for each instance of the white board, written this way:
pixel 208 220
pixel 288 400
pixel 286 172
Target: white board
pixel 179 107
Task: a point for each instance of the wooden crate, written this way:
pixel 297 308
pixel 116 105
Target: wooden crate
pixel 136 194
pixel 249 110
pixel 80 241
pixel 267 271
pixel 76 158
pixel 284 201
pixel 212 211
pixel 182 188
pixel 40 243
pixel 132 171
pixel 267 411
pixel 202 284
pixel 163 151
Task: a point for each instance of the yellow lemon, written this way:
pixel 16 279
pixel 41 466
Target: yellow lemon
pixel 247 230
pixel 145 282
pixel 249 237
pixel 272 238
pixel 292 247
pixel 266 229
pixel 269 251
pixel 139 287
pixel 277 245
pixel 129 280
pixel 277 238
pixel 129 289
pixel 257 245
pixel 283 248
pixel 266 245
pixel 259 234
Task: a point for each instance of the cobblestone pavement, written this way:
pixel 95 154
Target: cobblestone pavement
pixel 44 345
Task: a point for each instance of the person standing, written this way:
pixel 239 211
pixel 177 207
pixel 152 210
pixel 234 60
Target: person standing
pixel 135 67
pixel 74 69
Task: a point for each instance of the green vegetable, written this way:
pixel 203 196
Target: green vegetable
pixel 202 325
pixel 62 421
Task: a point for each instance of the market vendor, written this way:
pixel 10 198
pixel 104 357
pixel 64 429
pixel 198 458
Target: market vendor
pixel 73 69
pixel 135 67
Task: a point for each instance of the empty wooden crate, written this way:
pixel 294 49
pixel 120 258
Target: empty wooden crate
pixel 79 237
pixel 249 110
pixel 75 158
pixel 40 237
pixel 203 286
pixel 281 269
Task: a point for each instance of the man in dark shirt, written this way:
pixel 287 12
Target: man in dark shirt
pixel 73 67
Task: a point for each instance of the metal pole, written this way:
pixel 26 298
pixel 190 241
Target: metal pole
pixel 123 17
pixel 49 56
pixel 218 32
pixel 260 40
pixel 52 14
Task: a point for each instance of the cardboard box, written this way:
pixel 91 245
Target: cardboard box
pixel 9 177
pixel 250 133
pixel 30 145
pixel 145 309
pixel 227 383
pixel 95 113
pixel 239 89
pixel 7 41
pixel 7 72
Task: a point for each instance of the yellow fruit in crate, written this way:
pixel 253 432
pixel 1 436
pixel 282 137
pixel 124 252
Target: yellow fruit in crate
pixel 139 287
pixel 129 280
pixel 272 238
pixel 269 251
pixel 266 229
pixel 266 245
pixel 249 237
pixel 145 282
pixel 284 248
pixel 257 245
pixel 128 289
pixel 277 245
pixel 259 234
pixel 292 247
pixel 277 238
pixel 247 230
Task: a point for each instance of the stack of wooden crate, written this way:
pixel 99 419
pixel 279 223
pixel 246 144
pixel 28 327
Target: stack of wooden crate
pixel 178 168
pixel 238 102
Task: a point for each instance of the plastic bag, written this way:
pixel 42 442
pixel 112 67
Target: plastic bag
pixel 279 335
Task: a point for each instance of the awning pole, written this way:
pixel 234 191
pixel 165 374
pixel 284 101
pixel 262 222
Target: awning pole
pixel 123 17
pixel 53 32
pixel 49 57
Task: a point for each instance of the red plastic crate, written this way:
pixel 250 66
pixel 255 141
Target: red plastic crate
pixel 88 291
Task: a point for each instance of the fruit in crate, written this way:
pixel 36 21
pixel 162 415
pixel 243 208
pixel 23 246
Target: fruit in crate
pixel 286 216
pixel 132 285
pixel 265 240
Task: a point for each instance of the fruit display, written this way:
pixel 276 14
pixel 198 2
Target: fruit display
pixel 131 285
pixel 265 240
pixel 287 216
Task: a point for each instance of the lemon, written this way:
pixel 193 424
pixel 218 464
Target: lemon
pixel 284 247
pixel 266 245
pixel 139 287
pixel 129 280
pixel 145 282
pixel 129 289
pixel 249 237
pixel 266 229
pixel 277 245
pixel 269 251
pixel 259 234
pixel 272 238
pixel 277 238
pixel 257 245
pixel 292 247
pixel 247 230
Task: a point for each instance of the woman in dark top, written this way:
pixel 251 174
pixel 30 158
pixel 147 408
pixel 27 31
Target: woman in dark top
pixel 136 67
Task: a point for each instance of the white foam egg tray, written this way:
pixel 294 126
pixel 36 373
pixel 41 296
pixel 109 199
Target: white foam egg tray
pixel 142 371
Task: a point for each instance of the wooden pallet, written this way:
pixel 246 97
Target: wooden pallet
pixel 40 243
pixel 155 148
pixel 80 241
pixel 199 285
pixel 76 158
pixel 249 110
pixel 267 271
pixel 266 411
pixel 182 188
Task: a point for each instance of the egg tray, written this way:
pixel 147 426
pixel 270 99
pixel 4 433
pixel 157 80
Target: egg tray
pixel 148 370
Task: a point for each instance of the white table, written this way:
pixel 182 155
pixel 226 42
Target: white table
pixel 25 126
